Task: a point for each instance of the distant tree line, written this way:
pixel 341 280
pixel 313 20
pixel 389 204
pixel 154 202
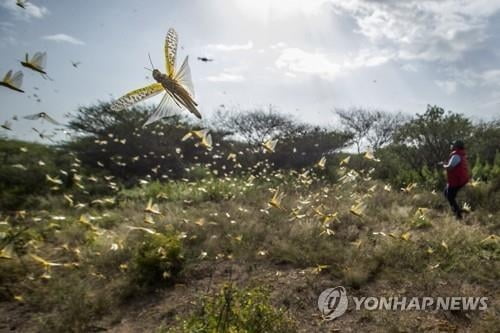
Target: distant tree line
pixel 410 147
pixel 116 144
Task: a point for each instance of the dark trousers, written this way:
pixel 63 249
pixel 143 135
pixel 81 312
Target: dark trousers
pixel 451 194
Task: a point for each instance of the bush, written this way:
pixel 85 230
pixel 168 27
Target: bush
pixel 17 185
pixel 210 189
pixel 464 256
pixel 484 195
pixel 157 261
pixel 233 310
pixel 69 303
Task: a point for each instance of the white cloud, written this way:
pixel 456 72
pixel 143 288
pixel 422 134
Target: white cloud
pixel 64 38
pixel 369 58
pixel 469 79
pixel 6 25
pixel 31 10
pixel 410 68
pixel 280 9
pixel 295 60
pixel 450 87
pixel 464 77
pixel 226 77
pixel 234 47
pixel 424 30
pixel 491 76
pixel 278 45
pixel 36 11
pixel 7 28
pixel 7 41
pixel 7 34
pixel 490 103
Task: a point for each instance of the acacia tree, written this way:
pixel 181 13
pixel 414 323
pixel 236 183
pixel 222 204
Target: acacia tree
pixel 118 142
pixel 300 144
pixel 305 148
pixel 384 126
pixel 375 127
pixel 256 125
pixel 356 121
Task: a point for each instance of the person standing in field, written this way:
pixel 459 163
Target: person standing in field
pixel 457 171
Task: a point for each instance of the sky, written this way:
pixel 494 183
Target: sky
pixel 306 58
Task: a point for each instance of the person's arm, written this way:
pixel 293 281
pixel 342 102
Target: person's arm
pixel 453 162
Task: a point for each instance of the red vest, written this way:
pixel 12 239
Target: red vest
pixel 459 175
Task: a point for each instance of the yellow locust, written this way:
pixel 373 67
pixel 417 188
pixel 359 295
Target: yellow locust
pixel 177 85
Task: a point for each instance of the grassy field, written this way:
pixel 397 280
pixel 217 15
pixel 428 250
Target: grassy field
pixel 245 254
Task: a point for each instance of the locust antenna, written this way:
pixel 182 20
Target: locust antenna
pixel 150 61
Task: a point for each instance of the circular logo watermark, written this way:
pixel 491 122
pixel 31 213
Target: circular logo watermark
pixel 332 302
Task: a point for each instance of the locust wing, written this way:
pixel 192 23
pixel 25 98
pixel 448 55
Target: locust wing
pixel 7 125
pixel 183 77
pixel 39 60
pixel 50 119
pixel 6 78
pixel 16 80
pixel 32 116
pixel 13 82
pixel 167 107
pixel 136 96
pixel 171 51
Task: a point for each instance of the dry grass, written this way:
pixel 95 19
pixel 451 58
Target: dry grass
pixel 227 222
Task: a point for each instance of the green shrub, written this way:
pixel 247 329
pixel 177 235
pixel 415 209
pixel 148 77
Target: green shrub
pixel 18 184
pixel 69 303
pixel 234 310
pixel 459 254
pixel 210 189
pixel 484 195
pixel 157 261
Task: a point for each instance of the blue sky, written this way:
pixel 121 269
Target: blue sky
pixel 305 57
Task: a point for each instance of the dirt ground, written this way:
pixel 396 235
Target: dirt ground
pixel 293 289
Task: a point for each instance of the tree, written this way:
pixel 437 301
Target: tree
pixel 426 139
pixel 384 126
pixel 376 127
pixel 255 126
pixel 357 121
pixel 118 143
pixel 485 140
pixel 304 148
pixel 24 167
